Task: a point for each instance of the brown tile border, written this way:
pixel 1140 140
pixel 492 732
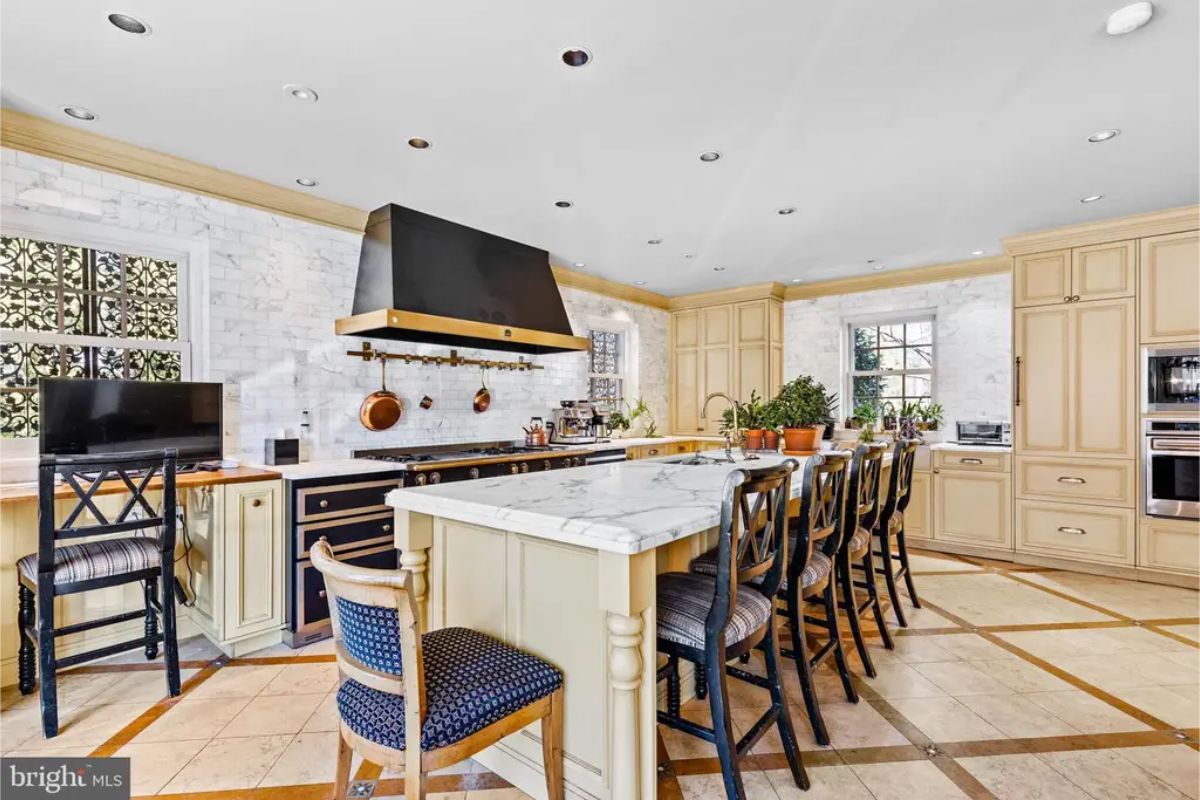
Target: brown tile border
pixel 258 661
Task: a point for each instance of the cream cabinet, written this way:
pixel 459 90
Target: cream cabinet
pixel 973 507
pixel 1096 272
pixel 916 516
pixel 1079 532
pixel 1169 287
pixel 1042 279
pixel 1101 481
pixel 734 348
pixel 1075 382
pixel 1169 544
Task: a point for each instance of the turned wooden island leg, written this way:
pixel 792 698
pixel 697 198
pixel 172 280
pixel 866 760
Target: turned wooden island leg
pixel 414 537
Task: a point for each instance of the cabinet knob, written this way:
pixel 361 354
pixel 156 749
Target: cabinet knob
pixel 1067 479
pixel 387 526
pixel 256 502
pixel 324 504
pixel 1069 529
pixel 1074 298
pixel 321 594
pixel 1066 298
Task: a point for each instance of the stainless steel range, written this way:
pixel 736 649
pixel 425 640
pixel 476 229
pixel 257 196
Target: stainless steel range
pixel 424 466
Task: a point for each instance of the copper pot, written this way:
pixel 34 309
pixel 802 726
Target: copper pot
pixel 382 409
pixel 483 398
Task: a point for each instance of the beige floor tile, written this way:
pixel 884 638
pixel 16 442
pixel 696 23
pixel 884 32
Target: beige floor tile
pixel 229 764
pixel 945 719
pixel 21 721
pixel 971 647
pixel 902 680
pixel 907 780
pixel 196 648
pixel 265 716
pixel 1020 676
pixel 1175 765
pixel 1185 658
pixel 430 796
pixel 303 679
pixel 826 783
pixel 498 794
pixel 325 718
pixel 1104 773
pixel 236 681
pixel 77 688
pixel 1015 716
pixel 42 751
pixel 961 677
pixel 710 787
pixel 744 719
pixel 1125 670
pixel 1131 598
pixel 1085 713
pixel 139 687
pixel 1170 706
pixel 279 650
pixel 309 758
pixel 153 764
pixel 991 599
pixel 853 725
pixel 1190 631
pixel 919 618
pixel 1191 690
pixel 1022 777
pixel 921 649
pixel 93 725
pixel 1094 642
pixel 321 648
pixel 193 719
pixel 920 562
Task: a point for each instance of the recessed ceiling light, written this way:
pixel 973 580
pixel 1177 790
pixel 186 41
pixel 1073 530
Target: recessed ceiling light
pixel 307 183
pixel 870 261
pixel 718 269
pixel 796 280
pixel 639 283
pixel 654 241
pixel 579 265
pixel 1091 198
pixel 976 252
pixel 710 155
pixel 576 57
pixel 877 267
pixel 786 210
pixel 302 93
pixel 78 112
pixel 1128 19
pixel 563 203
pixel 689 255
pixel 129 24
pixel 418 143
pixel 1105 135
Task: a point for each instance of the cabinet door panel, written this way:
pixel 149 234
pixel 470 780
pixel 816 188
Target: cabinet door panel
pixel 685 328
pixel 717 378
pixel 685 391
pixel 1041 416
pixel 1042 278
pixel 1087 533
pixel 1169 544
pixel 752 321
pixel 1104 387
pixel 916 516
pixel 253 558
pixel 753 369
pixel 1169 286
pixel 716 327
pixel 973 508
pixel 1103 271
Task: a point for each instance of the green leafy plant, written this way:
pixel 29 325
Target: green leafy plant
pixel 639 410
pixel 618 421
pixel 801 403
pixel 932 416
pixel 867 415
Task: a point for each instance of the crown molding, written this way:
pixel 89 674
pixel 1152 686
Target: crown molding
pixel 738 294
pixel 1155 223
pixel 619 291
pixel 954 270
pixel 42 137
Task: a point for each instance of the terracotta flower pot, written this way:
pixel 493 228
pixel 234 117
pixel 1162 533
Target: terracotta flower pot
pixel 771 440
pixel 800 441
pixel 754 439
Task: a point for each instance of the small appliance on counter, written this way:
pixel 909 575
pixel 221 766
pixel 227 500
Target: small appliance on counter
pixel 977 432
pixel 1172 379
pixel 281 451
pixel 573 423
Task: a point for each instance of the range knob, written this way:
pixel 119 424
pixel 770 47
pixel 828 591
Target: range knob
pixel 547 465
pixel 514 469
pixel 422 479
pixel 473 473
pixel 435 477
pixel 524 466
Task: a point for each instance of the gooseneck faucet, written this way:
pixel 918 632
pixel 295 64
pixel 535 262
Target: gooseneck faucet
pixel 733 404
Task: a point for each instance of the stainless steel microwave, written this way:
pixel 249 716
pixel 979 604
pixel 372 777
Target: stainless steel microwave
pixel 1171 377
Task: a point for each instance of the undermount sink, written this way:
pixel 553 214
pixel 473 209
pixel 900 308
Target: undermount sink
pixel 697 460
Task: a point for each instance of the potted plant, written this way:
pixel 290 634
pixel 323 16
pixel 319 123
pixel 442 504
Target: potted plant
pixel 910 413
pixel 640 410
pixel 931 417
pixel 830 422
pixel 866 415
pixel 801 408
pixel 754 421
pixel 771 426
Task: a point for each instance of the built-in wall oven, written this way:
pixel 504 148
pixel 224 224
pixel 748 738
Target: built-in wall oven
pixel 1172 456
pixel 1171 376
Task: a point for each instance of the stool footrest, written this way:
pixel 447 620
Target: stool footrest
pixel 99 623
pixel 104 652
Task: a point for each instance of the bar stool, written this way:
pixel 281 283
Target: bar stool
pixel 890 526
pixel 711 619
pixel 862 510
pixel 56 571
pixel 418 703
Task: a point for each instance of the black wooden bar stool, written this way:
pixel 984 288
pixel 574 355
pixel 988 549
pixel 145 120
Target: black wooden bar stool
pixel 889 528
pixel 55 571
pixel 862 511
pixel 711 619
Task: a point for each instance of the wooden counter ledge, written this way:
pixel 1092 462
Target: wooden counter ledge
pixel 26 492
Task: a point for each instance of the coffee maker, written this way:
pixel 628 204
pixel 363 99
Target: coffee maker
pixel 573 423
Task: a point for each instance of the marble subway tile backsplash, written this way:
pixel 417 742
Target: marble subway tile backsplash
pixel 277 284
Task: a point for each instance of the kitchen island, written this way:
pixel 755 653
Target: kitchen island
pixel 564 565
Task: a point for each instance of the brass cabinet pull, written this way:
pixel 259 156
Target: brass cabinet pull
pixel 256 502
pixel 1067 298
pixel 970 461
pixel 324 504
pixel 1017 373
pixel 1074 298
pixel 1068 479
pixel 1069 529
pixel 652 452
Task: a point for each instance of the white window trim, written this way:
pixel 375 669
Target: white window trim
pixel 190 254
pixel 886 318
pixel 628 331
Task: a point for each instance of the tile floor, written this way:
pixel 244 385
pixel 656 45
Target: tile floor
pixel 1011 682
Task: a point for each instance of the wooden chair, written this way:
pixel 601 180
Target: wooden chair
pixel 890 526
pixel 711 619
pixel 862 511
pixel 460 689
pixel 97 564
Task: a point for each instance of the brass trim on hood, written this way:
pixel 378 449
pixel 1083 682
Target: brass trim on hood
pixel 384 318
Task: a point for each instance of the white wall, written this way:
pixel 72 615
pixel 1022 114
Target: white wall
pixel 973 352
pixel 277 284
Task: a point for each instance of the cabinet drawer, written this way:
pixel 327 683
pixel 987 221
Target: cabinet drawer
pixel 326 502
pixel 981 462
pixel 1085 533
pixel 344 534
pixel 1169 544
pixel 1075 480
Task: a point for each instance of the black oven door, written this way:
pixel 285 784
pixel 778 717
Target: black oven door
pixel 1173 484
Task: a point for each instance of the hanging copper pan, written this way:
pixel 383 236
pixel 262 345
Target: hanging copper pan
pixel 483 398
pixel 382 409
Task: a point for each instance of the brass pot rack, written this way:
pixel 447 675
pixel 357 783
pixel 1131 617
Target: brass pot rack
pixel 369 353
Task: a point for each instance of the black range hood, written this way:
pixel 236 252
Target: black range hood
pixel 425 279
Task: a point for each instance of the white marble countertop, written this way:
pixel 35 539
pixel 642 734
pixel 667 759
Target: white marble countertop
pixel 625 444
pixel 971 448
pixel 625 508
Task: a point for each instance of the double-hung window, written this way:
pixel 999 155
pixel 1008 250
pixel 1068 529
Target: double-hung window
pixel 69 310
pixel 891 361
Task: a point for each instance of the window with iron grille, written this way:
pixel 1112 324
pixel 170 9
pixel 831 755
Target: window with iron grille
pixel 606 367
pixel 891 362
pixel 76 312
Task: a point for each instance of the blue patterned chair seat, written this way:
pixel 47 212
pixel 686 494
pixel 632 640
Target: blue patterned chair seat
pixel 818 566
pixel 684 600
pixel 100 559
pixel 471 681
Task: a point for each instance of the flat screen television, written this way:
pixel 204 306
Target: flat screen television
pixel 86 415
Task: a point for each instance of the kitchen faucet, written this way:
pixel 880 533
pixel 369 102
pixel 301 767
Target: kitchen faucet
pixel 736 430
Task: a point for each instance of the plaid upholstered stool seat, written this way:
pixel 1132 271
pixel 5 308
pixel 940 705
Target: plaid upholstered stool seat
pixel 102 559
pixel 471 681
pixel 684 602
pixel 817 569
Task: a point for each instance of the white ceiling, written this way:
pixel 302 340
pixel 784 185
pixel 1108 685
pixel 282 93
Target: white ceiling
pixel 910 133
